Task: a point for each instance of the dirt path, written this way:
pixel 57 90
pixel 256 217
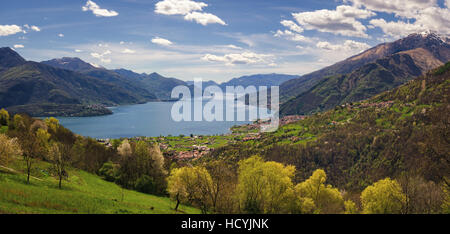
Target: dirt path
pixel 18 172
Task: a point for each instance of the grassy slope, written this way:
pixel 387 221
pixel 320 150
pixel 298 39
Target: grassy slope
pixel 82 193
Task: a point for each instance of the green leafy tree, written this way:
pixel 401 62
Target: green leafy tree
pixel 350 207
pixel 383 197
pixel 326 198
pixel 191 185
pixel 33 140
pixel 4 117
pixel 265 187
pixel 52 123
pixel 110 171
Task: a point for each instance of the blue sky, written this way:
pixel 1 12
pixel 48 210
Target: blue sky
pixel 212 39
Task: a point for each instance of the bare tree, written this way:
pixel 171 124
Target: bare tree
pixel 60 156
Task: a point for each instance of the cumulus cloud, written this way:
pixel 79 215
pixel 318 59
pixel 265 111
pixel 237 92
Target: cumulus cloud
pixel 242 58
pixel 413 16
pixel 292 26
pixel 289 35
pixel 161 41
pixel 204 18
pixel 190 9
pixel 97 11
pixel 403 8
pixel 101 56
pixel 348 45
pixel 178 7
pixel 341 21
pixel 128 51
pixel 60 35
pixel 18 46
pixel 32 27
pixel 6 30
pixel 396 29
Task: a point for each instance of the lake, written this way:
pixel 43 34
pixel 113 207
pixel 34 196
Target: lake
pixel 150 119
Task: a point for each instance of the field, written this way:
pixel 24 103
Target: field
pixel 83 193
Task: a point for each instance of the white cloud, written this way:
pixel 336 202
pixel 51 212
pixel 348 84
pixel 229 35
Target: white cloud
pixel 348 45
pixel 396 29
pixel 101 56
pixel 414 16
pixel 204 18
pixel 292 26
pixel 190 9
pixel 341 21
pixel 97 11
pixel 403 8
pixel 178 7
pixel 60 35
pixel 234 47
pixel 291 36
pixel 6 30
pixel 18 46
pixel 161 41
pixel 78 51
pixel 128 51
pixel 242 58
pixel 35 28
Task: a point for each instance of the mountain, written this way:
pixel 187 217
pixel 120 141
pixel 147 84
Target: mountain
pixel 362 76
pixel 73 64
pixel 151 86
pixel 430 42
pixel 9 58
pixel 78 65
pixel 259 80
pixel 155 83
pixel 40 89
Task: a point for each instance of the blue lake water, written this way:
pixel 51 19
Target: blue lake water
pixel 150 119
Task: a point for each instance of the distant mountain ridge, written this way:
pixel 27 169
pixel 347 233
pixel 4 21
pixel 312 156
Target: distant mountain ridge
pixel 260 80
pixel 361 76
pixel 430 42
pixel 35 88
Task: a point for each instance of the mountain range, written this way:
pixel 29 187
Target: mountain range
pixel 73 87
pixel 359 77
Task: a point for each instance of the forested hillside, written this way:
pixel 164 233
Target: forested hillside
pixel 401 134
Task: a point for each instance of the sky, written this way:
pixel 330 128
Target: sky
pixel 212 39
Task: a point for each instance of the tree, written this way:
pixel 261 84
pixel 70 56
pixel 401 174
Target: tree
pixel 326 198
pixel 224 187
pixel 33 140
pixel 191 185
pixel 124 149
pixel 350 207
pixel 138 160
pixel 264 187
pixel 52 123
pixel 383 197
pixel 60 156
pixel 422 197
pixel 4 117
pixel 446 201
pixel 9 148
